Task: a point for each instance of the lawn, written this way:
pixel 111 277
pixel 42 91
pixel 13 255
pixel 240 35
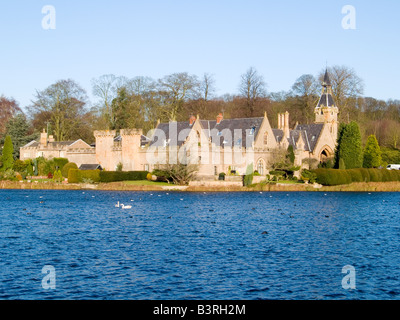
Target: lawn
pixel 147 183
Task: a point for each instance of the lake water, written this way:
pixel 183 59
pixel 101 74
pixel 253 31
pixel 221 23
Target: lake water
pixel 198 245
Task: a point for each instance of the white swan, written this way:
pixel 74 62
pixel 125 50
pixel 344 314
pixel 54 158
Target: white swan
pixel 125 207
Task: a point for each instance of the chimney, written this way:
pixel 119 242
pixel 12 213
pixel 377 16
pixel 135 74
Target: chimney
pixel 192 119
pixel 51 138
pixel 220 117
pixel 280 121
pixel 43 138
pixel 286 130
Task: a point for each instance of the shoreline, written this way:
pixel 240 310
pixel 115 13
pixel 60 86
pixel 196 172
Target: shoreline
pixel 121 186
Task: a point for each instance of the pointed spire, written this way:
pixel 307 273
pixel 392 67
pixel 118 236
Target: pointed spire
pixel 327 80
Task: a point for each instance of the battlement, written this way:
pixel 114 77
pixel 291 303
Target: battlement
pixel 104 133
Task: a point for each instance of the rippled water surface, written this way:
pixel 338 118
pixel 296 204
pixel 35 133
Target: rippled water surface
pixel 199 245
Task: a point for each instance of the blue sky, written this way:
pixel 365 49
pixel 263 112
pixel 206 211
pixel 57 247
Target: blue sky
pixel 281 39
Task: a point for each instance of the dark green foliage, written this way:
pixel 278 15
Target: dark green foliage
pixel 333 177
pixel 349 147
pixel 290 155
pixel 342 165
pixel 341 128
pixel 78 176
pixel 7 158
pixel 74 175
pixel 372 153
pixel 390 156
pixel 308 175
pixel 20 166
pixel 20 131
pixel 92 175
pixel 60 162
pixel 247 179
pixel 67 167
pixel 356 175
pixel 29 167
pixel 365 174
pixel 113 176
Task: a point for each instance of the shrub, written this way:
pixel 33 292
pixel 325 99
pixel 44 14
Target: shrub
pixel 365 174
pixel 18 176
pixel 20 166
pixel 67 167
pixel 29 167
pixel 355 175
pixel 308 175
pixel 57 177
pixel 247 179
pixel 92 175
pixel 60 162
pixel 74 175
pixel 375 175
pixel 114 176
pixel 149 176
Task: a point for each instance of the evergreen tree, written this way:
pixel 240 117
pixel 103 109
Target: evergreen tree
pixel 7 158
pixel 372 153
pixel 19 130
pixel 341 128
pixel 350 147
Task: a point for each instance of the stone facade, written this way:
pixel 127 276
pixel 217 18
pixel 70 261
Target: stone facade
pixel 218 145
pixel 75 151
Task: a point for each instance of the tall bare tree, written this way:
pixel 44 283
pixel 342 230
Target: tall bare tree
pixel 346 87
pixel 175 90
pixel 252 87
pixel 305 88
pixel 62 104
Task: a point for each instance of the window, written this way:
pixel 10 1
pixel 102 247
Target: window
pixel 265 138
pixel 260 167
pixel 146 167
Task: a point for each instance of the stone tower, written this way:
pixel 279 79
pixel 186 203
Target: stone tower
pixel 326 110
pixel 104 148
pixel 130 140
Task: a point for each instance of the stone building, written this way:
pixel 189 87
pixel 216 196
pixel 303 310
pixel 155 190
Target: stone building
pixel 76 151
pixel 223 145
pixel 218 145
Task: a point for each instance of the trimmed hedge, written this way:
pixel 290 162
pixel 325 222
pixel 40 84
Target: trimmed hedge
pixel 67 167
pixel 333 177
pixel 77 176
pixel 114 176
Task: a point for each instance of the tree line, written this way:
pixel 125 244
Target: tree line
pixel 64 109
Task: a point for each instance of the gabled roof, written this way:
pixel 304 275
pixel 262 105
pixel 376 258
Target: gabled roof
pixel 249 129
pixel 90 167
pixel 309 133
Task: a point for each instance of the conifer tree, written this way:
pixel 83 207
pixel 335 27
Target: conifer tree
pixel 372 153
pixel 350 147
pixel 8 149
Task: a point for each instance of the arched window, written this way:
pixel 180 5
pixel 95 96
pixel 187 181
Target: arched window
pixel 260 166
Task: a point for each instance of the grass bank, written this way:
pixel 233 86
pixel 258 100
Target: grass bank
pixel 158 186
